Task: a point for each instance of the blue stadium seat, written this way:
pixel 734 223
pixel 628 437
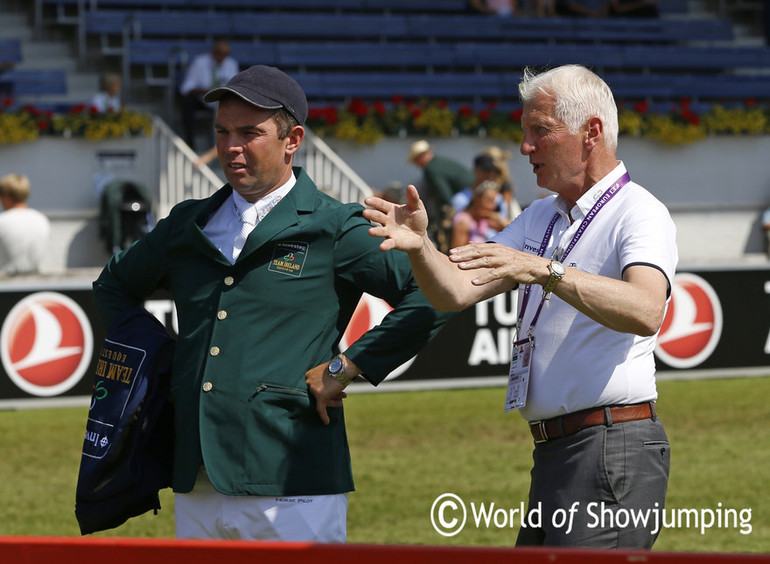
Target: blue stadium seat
pixel 409 27
pixel 364 55
pixel 37 82
pixel 425 6
pixel 434 48
pixel 384 86
pixel 10 51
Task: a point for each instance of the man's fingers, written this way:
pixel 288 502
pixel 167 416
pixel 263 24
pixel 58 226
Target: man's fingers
pixel 375 215
pixel 378 204
pixel 320 407
pixel 387 245
pixel 412 196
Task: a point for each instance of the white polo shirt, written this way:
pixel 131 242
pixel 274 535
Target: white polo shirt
pixel 578 363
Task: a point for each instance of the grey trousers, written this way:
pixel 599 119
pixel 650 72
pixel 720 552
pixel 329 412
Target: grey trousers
pixel 594 488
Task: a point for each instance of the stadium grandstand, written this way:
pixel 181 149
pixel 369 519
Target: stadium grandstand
pixel 376 49
pixel 704 52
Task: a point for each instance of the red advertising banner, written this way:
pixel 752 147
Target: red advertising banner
pixel 716 320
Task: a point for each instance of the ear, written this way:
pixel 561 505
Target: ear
pixel 294 139
pixel 594 133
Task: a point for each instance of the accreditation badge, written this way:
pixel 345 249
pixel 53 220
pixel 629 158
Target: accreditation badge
pixel 518 377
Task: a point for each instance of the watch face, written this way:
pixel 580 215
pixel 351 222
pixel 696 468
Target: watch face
pixel 335 366
pixel 558 268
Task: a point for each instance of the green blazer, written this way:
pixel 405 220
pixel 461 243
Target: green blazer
pixel 446 177
pixel 249 331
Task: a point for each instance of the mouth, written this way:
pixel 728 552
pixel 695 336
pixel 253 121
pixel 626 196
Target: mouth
pixel 236 166
pixel 536 167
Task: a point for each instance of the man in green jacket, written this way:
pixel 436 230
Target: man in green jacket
pixel 442 178
pixel 265 275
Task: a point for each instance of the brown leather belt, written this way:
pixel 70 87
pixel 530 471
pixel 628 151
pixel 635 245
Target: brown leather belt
pixel 565 425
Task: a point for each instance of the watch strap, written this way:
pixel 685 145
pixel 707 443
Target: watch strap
pixel 554 279
pixel 340 375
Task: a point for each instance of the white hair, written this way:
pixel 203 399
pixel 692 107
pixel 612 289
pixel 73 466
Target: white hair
pixel 580 95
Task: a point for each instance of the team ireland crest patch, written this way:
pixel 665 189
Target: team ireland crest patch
pixel 288 258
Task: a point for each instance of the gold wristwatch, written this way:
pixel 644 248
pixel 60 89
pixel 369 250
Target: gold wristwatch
pixel 557 273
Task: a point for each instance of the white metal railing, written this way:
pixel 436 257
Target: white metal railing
pixel 179 179
pixel 329 172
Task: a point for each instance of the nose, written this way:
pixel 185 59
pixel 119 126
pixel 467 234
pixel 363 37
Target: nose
pixel 527 146
pixel 228 143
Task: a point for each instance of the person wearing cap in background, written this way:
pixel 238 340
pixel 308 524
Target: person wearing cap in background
pixel 265 275
pixel 442 178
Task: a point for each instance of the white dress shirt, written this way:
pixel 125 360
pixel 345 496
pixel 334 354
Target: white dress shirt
pixel 225 225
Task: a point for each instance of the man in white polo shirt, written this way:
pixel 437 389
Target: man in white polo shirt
pixel 593 264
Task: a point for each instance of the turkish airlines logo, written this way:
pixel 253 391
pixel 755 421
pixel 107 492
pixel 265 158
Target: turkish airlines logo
pixel 693 324
pixel 369 312
pixel 46 344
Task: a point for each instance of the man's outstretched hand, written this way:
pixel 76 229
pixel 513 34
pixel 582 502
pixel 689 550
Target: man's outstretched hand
pixel 403 226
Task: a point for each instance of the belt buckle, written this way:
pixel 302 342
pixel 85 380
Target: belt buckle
pixel 541 427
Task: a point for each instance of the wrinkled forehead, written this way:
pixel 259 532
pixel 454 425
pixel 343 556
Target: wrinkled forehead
pixel 539 110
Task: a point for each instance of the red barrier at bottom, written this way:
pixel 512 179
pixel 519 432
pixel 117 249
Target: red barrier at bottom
pixel 71 550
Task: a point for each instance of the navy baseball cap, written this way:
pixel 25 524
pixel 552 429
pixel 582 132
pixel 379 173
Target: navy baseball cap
pixel 265 87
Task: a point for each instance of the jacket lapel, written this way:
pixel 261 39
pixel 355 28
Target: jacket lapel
pixel 284 215
pixel 194 230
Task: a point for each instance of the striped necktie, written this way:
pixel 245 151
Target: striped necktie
pixel 248 222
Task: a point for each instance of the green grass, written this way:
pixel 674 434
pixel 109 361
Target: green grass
pixel 410 447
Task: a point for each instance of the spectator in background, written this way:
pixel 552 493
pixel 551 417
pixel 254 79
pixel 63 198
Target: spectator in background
pixel 634 8
pixel 484 169
pixel 478 222
pixel 442 178
pixel 24 232
pixel 108 98
pixel 206 71
pixel 496 7
pixel 583 8
pixel 509 206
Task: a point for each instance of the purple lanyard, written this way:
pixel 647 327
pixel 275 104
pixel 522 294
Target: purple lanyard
pixel 590 216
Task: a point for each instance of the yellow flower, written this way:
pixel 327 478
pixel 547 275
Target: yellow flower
pixel 28 123
pixel 435 121
pixel 17 128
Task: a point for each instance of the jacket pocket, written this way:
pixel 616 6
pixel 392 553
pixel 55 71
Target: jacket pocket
pixel 277 389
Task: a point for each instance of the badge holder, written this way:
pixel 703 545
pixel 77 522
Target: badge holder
pixel 518 377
